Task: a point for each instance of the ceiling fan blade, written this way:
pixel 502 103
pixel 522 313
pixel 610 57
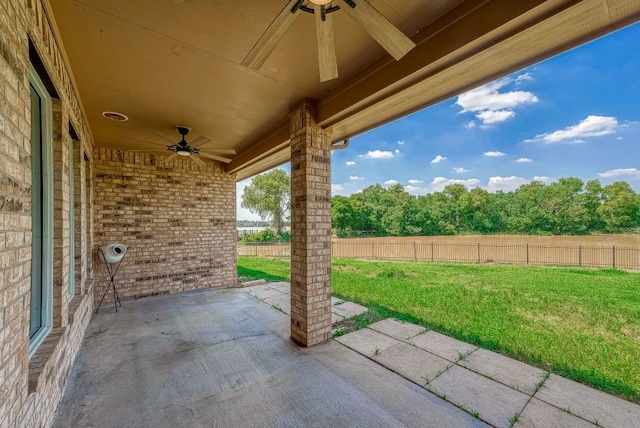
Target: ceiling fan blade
pixel 326 45
pixel 199 141
pixel 163 136
pixel 144 141
pixel 170 158
pixel 218 158
pixel 197 160
pixel 220 151
pixel 148 150
pixel 384 32
pixel 270 39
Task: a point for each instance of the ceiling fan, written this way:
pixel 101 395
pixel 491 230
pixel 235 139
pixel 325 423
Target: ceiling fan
pixel 182 148
pixel 361 11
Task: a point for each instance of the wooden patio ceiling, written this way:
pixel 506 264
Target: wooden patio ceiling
pixel 179 62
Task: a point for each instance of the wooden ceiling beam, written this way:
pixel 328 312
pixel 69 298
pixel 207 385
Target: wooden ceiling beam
pixel 275 140
pixel 457 30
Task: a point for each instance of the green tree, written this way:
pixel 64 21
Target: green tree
pixel 564 204
pixel 528 213
pixel 591 201
pixel 621 207
pixel 399 216
pixel 269 196
pixel 369 209
pixel 343 215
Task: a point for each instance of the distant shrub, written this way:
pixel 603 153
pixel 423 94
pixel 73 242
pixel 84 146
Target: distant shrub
pixel 266 235
pixel 285 237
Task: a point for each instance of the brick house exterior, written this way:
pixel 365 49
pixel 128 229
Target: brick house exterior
pixel 179 220
pixel 63 196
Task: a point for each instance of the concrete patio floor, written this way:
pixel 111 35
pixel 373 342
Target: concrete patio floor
pixel 222 358
pixel 498 390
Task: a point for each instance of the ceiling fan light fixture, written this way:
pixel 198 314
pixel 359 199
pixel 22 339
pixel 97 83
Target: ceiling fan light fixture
pixel 320 2
pixel 183 152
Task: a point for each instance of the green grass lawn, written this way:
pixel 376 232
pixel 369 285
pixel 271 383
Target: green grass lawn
pixel 580 323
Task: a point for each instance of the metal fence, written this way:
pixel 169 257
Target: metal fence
pixel 620 257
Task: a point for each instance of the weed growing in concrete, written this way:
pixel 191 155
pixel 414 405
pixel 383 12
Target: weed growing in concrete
pixel 543 379
pixel 339 332
pixel 426 380
pixel 463 355
pixel 514 419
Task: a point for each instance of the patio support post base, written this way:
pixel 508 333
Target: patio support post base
pixel 310 228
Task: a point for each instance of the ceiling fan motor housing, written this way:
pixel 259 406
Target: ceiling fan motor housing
pixel 183 130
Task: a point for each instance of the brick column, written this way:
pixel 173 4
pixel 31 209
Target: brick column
pixel 310 228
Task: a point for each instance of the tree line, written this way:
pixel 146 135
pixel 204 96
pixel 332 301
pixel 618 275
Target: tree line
pixel 566 207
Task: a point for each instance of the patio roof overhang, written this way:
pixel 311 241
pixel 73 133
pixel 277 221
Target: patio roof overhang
pixel 180 62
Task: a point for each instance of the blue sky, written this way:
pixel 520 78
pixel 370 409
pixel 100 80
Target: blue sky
pixel 574 115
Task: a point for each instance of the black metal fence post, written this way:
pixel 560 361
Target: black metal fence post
pixel 580 255
pixel 613 256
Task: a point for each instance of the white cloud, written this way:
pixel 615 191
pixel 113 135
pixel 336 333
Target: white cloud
pixel 412 181
pixel 391 182
pixel 542 179
pixel 336 188
pixel 355 177
pixel 439 183
pixel 400 142
pixel 523 160
pixel 619 138
pixel 592 126
pixel 489 117
pixel 377 154
pixel 505 184
pixel 416 190
pixel 494 154
pixel 524 77
pixel 397 151
pixel 459 170
pixel 438 159
pixel 621 172
pixel 471 124
pixel 350 163
pixel 490 105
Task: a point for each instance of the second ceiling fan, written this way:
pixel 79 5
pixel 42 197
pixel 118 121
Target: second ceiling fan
pixel 361 11
pixel 182 148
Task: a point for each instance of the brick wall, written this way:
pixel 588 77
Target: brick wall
pixel 30 388
pixel 178 219
pixel 181 221
pixel 310 228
